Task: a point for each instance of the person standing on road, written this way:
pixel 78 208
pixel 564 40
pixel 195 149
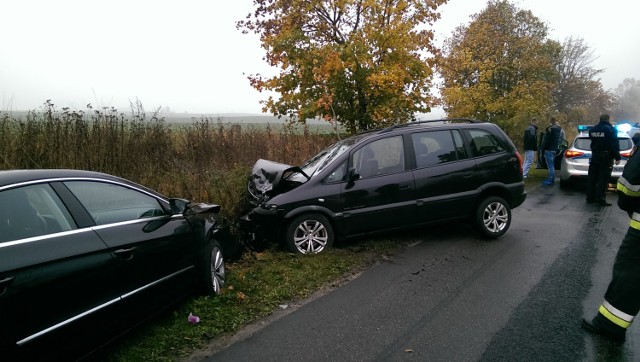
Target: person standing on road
pixel 622 298
pixel 636 141
pixel 605 148
pixel 550 144
pixel 530 146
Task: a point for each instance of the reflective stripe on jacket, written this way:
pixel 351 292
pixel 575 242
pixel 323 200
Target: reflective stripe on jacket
pixel 629 190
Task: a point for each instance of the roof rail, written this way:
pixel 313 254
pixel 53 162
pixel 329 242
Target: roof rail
pixel 444 120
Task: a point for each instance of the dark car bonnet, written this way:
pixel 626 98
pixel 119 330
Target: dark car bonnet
pixel 266 176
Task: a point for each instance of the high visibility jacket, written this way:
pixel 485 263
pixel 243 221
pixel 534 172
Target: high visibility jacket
pixel 629 190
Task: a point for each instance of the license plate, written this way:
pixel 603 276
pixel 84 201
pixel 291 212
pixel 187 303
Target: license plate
pixel 618 168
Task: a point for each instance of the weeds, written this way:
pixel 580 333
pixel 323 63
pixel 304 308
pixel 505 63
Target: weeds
pixel 205 161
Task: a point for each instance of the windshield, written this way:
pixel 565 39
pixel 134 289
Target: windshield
pixel 323 159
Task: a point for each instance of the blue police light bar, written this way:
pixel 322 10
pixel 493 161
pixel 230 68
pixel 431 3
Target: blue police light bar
pixel 583 127
pixel 623 127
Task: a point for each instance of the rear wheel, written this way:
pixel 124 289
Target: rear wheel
pixel 493 217
pixel 309 234
pixel 212 270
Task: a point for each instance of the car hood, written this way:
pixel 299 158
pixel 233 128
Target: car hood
pixel 267 178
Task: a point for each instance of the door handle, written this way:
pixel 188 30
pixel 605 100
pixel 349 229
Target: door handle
pixel 4 284
pixel 405 187
pixel 125 254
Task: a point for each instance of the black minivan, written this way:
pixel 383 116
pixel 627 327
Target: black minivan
pixel 401 176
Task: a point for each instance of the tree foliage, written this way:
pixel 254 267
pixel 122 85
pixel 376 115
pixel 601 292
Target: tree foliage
pixel 579 96
pixel 499 68
pixel 627 101
pixel 357 62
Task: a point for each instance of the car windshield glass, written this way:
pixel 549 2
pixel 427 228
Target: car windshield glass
pixel 320 161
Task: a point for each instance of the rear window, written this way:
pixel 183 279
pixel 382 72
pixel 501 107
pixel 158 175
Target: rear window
pixel 484 143
pixel 584 143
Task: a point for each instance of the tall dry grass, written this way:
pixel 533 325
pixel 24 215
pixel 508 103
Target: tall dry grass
pixel 207 160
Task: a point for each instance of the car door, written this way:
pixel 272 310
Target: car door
pixel 383 195
pixel 155 252
pixel 54 274
pixel 443 175
pixel 494 163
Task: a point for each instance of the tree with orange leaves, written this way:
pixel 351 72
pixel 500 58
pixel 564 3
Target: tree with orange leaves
pixel 360 63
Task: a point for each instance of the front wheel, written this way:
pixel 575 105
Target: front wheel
pixel 493 217
pixel 309 234
pixel 212 270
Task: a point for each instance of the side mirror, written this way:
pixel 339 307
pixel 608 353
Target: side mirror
pixel 178 206
pixel 353 174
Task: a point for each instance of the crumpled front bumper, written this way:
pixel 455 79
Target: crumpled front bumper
pixel 262 225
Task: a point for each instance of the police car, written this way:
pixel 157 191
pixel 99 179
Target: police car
pixel 575 163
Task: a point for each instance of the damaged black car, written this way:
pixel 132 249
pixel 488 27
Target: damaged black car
pixel 394 178
pixel 86 256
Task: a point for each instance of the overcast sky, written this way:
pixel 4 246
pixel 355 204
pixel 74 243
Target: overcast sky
pixel 188 55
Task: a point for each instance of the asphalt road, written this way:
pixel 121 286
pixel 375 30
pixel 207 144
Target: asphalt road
pixel 453 296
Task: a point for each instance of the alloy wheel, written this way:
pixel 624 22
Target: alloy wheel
pixel 495 217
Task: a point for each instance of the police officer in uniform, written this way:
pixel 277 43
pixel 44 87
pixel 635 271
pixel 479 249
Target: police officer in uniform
pixel 604 150
pixel 622 298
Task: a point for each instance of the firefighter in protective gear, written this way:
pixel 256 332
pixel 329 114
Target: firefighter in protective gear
pixel 622 298
pixel 605 148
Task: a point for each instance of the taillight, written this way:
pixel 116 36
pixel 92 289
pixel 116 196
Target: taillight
pixel 519 160
pixel 571 153
pixel 625 154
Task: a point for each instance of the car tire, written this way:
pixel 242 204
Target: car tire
pixel 212 269
pixel 309 234
pixel 565 183
pixel 492 217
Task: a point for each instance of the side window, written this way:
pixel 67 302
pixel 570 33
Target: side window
pixel 339 174
pixel 381 157
pixel 109 203
pixel 484 143
pixel 32 211
pixel 434 147
pixel 461 151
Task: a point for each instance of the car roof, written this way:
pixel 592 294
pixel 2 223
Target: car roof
pixel 10 177
pixel 433 123
pixel 417 125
